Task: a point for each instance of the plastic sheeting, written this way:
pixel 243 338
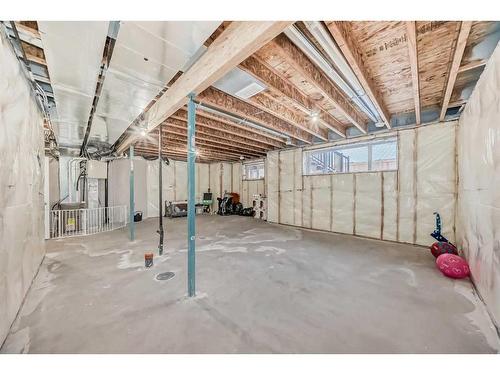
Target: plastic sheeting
pixel 146 56
pixel 74 52
pixel 174 183
pixel 478 192
pixel 21 187
pixel 389 205
pixel 119 184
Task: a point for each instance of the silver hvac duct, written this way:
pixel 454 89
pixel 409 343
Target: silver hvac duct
pixel 242 121
pixel 346 80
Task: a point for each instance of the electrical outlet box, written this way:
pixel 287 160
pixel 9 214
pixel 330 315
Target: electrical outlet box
pixel 97 169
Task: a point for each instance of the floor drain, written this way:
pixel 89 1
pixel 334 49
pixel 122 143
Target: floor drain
pixel 165 276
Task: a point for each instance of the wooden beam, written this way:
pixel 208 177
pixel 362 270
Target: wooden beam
pixel 34 33
pixel 472 65
pixel 277 85
pixel 235 44
pixel 457 103
pixel 204 156
pixel 463 35
pixel 277 109
pixel 260 134
pixel 341 33
pixel 179 146
pixel 411 31
pixel 36 59
pixel 219 126
pixel 225 102
pixel 175 134
pixel 301 63
pixel 224 137
pixel 173 126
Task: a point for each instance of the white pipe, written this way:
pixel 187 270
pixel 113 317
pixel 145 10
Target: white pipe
pixel 242 121
pixel 360 98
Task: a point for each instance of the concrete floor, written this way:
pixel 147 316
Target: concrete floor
pixel 261 288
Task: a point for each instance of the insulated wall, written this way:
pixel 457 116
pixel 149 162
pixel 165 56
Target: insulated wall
pixel 21 187
pixel 119 184
pixel 174 181
pixel 478 190
pixel 218 177
pixel 390 205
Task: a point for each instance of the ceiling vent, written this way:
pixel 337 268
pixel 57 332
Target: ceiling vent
pixel 240 84
pixel 250 90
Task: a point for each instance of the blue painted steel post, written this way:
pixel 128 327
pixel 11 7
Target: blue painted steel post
pixel 191 201
pixel 132 208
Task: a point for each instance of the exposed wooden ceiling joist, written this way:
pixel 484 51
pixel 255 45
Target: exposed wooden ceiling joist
pixel 280 86
pixel 224 137
pixel 235 44
pixel 411 32
pixel 243 128
pixel 471 65
pixel 176 134
pixel 465 28
pixel 341 33
pixel 217 125
pixel 204 156
pixel 300 62
pixel 275 108
pixel 225 102
pixel 201 136
pixel 178 146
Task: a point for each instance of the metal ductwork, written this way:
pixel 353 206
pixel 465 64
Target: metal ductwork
pixel 242 121
pixel 340 72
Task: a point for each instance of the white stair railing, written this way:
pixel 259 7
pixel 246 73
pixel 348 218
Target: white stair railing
pixel 85 221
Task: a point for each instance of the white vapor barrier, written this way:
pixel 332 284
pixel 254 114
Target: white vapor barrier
pixel 407 190
pixel 436 182
pixel 321 202
pixel 236 182
pixel 478 214
pixel 119 184
pixel 249 189
pixel 181 181
pixel 368 204
pixel 73 50
pixel 174 183
pixel 21 186
pixel 215 183
pixel 389 205
pixel 272 180
pixel 343 203
pixel 146 56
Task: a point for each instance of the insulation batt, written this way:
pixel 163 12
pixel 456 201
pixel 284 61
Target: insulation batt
pixel 21 186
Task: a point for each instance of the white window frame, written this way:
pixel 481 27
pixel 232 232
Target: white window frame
pixel 259 164
pixel 369 144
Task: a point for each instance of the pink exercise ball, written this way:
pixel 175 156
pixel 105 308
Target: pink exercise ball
pixel 453 266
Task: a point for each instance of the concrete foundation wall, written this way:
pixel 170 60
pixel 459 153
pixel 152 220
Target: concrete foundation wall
pixel 22 246
pixel 478 190
pixel 393 205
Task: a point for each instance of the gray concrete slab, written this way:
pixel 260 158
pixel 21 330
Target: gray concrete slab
pixel 261 288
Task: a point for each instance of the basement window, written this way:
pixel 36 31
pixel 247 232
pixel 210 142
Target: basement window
pixel 253 171
pixel 370 156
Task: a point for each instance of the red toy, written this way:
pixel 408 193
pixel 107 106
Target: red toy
pixel 440 247
pixel 453 266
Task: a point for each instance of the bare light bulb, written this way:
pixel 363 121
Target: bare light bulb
pixel 143 133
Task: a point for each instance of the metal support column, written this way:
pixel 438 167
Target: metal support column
pixel 191 200
pixel 160 198
pixel 132 208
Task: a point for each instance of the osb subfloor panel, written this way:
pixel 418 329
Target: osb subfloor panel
pixel 261 288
